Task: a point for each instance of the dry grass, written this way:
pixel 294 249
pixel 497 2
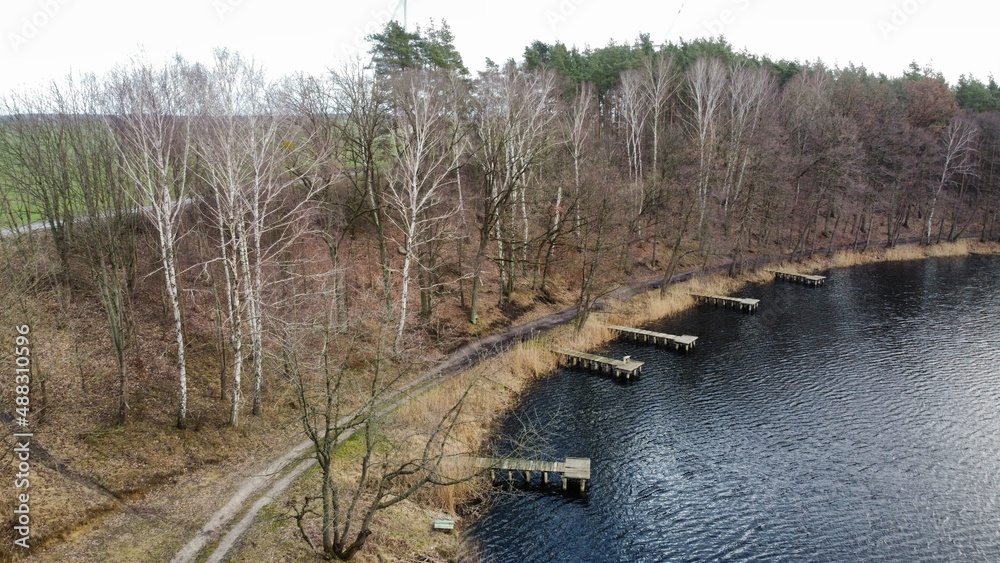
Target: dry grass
pixel 497 394
pixel 900 253
pixel 183 475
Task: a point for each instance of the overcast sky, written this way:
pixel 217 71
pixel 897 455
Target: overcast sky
pixel 46 39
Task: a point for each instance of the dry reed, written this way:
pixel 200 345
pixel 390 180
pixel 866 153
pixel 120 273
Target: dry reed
pixel 497 383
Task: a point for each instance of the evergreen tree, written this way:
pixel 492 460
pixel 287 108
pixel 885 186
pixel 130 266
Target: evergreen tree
pixel 395 49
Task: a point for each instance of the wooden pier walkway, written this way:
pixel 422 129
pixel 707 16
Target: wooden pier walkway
pixel 741 303
pixel 804 279
pixel 575 468
pixel 680 343
pixel 626 367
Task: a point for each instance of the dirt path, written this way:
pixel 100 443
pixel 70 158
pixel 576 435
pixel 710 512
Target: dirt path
pixel 224 533
pixel 277 479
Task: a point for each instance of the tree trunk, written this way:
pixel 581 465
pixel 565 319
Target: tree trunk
pixel 170 275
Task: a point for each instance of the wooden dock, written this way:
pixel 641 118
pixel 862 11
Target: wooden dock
pixel 804 279
pixel 625 368
pixel 744 304
pixel 680 343
pixel 575 468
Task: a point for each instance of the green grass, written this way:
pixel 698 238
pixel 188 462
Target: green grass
pixel 15 211
pixel 17 206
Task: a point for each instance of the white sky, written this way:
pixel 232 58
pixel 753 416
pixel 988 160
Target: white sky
pixel 45 39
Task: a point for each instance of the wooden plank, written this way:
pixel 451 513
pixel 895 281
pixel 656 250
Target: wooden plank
pixel 572 468
pixel 725 298
pixel 577 468
pixel 627 365
pixel 514 464
pixel 808 279
pixel 684 340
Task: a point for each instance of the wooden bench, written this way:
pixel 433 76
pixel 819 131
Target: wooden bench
pixel 444 525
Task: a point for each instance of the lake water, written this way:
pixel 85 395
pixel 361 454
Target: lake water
pixel 858 421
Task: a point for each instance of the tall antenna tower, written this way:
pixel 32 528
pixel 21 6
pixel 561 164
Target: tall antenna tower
pixel 396 11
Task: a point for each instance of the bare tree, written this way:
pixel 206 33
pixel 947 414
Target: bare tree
pixel 152 131
pixel 577 126
pixel 706 80
pixel 660 83
pixel 825 153
pixel 634 112
pixel 425 141
pixel 333 371
pixel 243 149
pixel 958 151
pixel 23 276
pixel 35 150
pixel 513 112
pixel 312 106
pixel 108 238
pixel 601 210
pixel 749 90
pixel 361 99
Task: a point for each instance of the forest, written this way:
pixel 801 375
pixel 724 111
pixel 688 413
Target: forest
pixel 197 243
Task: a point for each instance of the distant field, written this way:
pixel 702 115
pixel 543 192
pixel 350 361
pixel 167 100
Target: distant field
pixel 11 201
pixel 15 208
pixel 10 204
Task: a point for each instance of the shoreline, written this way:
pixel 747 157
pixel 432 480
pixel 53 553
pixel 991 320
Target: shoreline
pixel 531 360
pixel 499 383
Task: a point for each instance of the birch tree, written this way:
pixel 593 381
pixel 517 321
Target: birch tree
pixel 749 91
pixel 243 152
pixel 422 162
pixel 660 83
pixel 577 127
pixel 958 151
pixel 633 113
pixel 513 111
pixel 706 80
pixel 225 117
pixel 152 132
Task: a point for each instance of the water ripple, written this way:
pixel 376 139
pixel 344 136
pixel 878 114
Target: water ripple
pixel 859 421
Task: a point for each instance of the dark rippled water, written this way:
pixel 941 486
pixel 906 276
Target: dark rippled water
pixel 859 421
